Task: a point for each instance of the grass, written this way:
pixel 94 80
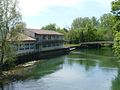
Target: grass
pixel 69 45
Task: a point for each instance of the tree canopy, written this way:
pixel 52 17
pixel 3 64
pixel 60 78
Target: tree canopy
pixel 107 21
pixel 50 27
pixel 116 7
pixel 10 26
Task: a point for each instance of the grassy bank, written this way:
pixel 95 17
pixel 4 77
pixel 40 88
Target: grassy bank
pixel 70 45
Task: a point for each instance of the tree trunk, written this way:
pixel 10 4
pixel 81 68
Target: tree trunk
pixel 2 51
pixel 2 58
pixel 1 65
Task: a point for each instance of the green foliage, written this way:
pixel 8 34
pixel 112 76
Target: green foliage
pixel 105 35
pixel 92 29
pixel 116 46
pixel 82 30
pixel 50 27
pixel 107 21
pixel 10 27
pixel 116 11
pixel 116 27
pixel 73 36
pixel 80 22
pixel 95 22
pixel 115 8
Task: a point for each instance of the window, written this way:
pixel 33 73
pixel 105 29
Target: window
pixel 54 37
pixel 49 45
pixel 21 47
pixel 37 39
pixel 57 44
pixel 57 37
pixel 53 44
pixel 26 46
pixel 44 37
pixel 44 45
pixel 37 46
pixel 31 46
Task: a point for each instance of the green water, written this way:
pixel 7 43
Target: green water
pixel 87 69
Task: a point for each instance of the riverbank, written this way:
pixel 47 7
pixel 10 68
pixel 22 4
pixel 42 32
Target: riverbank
pixel 17 72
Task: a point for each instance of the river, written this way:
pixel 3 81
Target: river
pixel 85 69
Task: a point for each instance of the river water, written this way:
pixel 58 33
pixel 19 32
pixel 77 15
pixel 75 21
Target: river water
pixel 86 69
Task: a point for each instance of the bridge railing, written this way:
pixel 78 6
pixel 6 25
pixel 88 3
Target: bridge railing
pixel 98 42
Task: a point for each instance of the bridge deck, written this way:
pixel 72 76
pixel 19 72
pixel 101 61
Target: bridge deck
pixel 98 42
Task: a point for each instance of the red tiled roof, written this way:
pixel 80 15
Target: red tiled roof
pixel 47 32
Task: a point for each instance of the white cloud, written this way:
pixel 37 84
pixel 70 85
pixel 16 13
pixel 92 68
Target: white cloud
pixel 34 7
pixel 106 3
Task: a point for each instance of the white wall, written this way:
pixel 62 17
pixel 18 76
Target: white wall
pixel 26 47
pixel 51 48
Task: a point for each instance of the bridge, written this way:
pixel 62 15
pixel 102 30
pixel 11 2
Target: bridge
pixel 96 42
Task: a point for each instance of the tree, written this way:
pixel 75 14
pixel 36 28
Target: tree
pixel 74 36
pixel 116 11
pixel 50 27
pixel 116 46
pixel 82 37
pixel 116 8
pixel 10 27
pixel 116 27
pixel 80 23
pixel 107 21
pixel 95 22
pixel 86 28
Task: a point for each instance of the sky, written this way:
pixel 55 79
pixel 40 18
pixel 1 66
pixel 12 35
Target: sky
pixel 38 13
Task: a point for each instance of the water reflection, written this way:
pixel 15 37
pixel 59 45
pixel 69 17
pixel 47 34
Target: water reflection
pixel 87 69
pixel 116 82
pixel 36 72
pixel 46 67
pixel 1 86
pixel 6 86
